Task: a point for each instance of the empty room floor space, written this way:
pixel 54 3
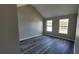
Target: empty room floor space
pixel 46 45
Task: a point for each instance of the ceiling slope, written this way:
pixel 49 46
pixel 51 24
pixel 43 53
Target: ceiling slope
pixel 51 10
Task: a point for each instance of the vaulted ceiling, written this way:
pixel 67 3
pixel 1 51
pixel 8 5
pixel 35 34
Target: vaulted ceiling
pixel 51 10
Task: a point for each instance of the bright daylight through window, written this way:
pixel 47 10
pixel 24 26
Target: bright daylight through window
pixel 49 25
pixel 63 26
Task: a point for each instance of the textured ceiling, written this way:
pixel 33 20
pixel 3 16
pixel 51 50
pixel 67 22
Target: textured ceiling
pixel 51 10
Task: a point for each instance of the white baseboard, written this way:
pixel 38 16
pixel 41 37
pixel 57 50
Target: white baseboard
pixel 60 37
pixel 30 37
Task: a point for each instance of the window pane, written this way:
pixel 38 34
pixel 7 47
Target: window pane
pixel 49 25
pixel 63 26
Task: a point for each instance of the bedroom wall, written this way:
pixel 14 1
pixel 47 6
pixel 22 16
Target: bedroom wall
pixel 76 44
pixel 9 38
pixel 29 21
pixel 71 27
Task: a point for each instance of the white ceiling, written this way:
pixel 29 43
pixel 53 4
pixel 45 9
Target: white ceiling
pixel 19 5
pixel 51 10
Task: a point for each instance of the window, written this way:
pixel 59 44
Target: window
pixel 63 26
pixel 49 25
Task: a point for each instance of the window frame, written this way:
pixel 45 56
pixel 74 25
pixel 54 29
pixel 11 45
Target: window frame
pixel 51 25
pixel 60 26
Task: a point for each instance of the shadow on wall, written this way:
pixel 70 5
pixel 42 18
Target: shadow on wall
pixel 30 22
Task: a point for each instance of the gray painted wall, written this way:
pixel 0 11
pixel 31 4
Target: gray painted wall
pixel 71 29
pixel 9 38
pixel 30 22
pixel 77 36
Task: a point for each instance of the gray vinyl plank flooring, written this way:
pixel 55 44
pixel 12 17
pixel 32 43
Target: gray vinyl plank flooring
pixel 46 45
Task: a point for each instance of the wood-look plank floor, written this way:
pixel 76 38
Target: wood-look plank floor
pixel 46 45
